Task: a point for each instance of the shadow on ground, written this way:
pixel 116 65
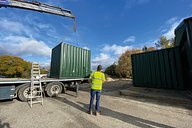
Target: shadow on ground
pixel 80 120
pixel 6 102
pixel 165 102
pixel 109 87
pixel 113 89
pixel 4 125
pixel 136 121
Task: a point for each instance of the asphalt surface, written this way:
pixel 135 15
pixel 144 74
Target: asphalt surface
pixel 69 111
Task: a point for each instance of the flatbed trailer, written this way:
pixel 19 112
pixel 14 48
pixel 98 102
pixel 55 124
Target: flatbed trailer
pixel 20 88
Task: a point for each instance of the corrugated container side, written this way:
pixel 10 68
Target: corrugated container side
pixel 173 69
pixel 55 62
pixel 189 52
pixel 162 69
pixel 153 71
pixel 183 39
pixel 74 62
pixel 179 69
pixel 158 69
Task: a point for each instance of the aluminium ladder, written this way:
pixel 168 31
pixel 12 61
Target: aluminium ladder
pixel 36 91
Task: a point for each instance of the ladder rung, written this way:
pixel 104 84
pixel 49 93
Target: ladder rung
pixel 36 86
pixel 35 83
pixel 36 72
pixel 37 97
pixel 35 79
pixel 33 102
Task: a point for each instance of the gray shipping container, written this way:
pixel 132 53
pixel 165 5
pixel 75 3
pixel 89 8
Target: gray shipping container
pixel 69 61
pixel 158 69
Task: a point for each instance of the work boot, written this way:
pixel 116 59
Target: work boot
pixel 90 112
pixel 97 113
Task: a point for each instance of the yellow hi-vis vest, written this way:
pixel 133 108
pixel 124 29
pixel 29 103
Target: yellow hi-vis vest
pixel 97 79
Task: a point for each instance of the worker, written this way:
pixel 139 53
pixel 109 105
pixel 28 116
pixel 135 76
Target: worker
pixel 97 78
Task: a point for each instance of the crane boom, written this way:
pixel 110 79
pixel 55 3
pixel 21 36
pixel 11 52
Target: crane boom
pixel 37 6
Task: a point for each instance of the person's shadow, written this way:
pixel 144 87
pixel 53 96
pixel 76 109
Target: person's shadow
pixel 4 125
pixel 139 122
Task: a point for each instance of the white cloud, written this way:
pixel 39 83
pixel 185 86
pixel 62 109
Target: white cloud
pixel 130 39
pixel 172 20
pixel 109 54
pixel 172 24
pixel 17 38
pixel 102 59
pixel 22 46
pixel 150 43
pixel 15 27
pixel 86 48
pixel 43 26
pixel 167 30
pixel 115 49
pixel 170 33
pixel 30 27
pixel 45 63
pixel 68 39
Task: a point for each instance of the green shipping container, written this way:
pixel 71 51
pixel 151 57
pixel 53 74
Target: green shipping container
pixel 183 39
pixel 158 69
pixel 69 61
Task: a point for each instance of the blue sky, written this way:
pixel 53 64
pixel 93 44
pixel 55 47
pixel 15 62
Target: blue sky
pixel 107 27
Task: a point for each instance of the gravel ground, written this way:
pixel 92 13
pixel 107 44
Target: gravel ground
pixel 68 111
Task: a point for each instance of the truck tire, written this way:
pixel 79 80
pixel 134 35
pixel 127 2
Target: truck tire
pixel 53 89
pixel 23 92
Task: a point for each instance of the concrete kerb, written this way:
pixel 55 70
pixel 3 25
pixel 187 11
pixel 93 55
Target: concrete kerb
pixel 170 96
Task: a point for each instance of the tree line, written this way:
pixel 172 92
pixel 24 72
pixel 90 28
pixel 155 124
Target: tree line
pixel 16 67
pixel 13 66
pixel 123 69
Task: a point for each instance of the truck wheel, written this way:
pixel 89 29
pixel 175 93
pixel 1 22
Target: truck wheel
pixel 53 89
pixel 24 92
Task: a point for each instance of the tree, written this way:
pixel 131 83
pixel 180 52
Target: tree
pixel 43 71
pixel 146 49
pixel 173 41
pixel 151 49
pixel 124 67
pixel 164 43
pixel 12 66
pixel 111 70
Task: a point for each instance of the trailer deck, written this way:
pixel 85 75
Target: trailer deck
pixel 16 87
pixel 20 81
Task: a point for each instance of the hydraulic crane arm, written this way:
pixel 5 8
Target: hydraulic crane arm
pixel 36 6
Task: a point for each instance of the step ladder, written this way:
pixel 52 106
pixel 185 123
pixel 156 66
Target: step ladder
pixel 36 91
